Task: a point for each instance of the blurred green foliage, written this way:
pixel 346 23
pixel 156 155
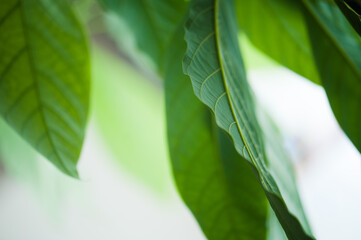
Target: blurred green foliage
pixel 129 112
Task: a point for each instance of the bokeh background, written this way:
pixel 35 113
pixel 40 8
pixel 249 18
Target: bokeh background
pixel 126 190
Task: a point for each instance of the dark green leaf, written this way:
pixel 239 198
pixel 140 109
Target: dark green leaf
pixel 337 49
pixel 151 21
pixel 277 28
pixel 352 11
pixel 214 64
pixel 44 77
pixel 214 181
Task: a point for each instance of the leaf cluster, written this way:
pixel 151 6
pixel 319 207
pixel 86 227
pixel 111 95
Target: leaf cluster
pixel 227 156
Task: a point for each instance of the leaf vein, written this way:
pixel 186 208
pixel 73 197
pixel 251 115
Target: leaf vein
pixel 206 79
pixel 199 46
pixel 12 62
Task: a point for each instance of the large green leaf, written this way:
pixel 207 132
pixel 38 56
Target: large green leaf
pixel 352 11
pixel 215 182
pixel 337 50
pixel 151 21
pixel 218 187
pixel 44 77
pixel 276 27
pixel 214 64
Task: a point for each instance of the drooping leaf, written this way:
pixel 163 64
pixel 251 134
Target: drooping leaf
pixel 151 21
pixel 277 28
pixel 44 77
pixel 214 64
pixel 337 50
pixel 352 11
pixel 215 182
pixel 205 187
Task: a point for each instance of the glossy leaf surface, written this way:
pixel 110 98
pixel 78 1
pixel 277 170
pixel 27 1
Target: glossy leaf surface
pixel 214 64
pixel 44 77
pixel 337 50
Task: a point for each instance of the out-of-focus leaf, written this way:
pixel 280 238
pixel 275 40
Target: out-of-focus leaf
pixel 275 231
pixel 352 11
pixel 44 77
pixel 337 50
pixel 277 28
pixel 120 105
pixel 215 182
pixel 151 21
pixel 214 64
pixel 253 57
pixel 17 157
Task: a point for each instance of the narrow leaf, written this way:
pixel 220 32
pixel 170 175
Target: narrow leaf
pixel 214 64
pixel 337 50
pixel 277 28
pixel 216 184
pixel 352 11
pixel 44 77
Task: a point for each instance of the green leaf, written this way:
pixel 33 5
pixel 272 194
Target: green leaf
pixel 275 231
pixel 151 21
pixel 277 28
pixel 337 50
pixel 44 77
pixel 215 182
pixel 225 203
pixel 214 64
pixel 352 11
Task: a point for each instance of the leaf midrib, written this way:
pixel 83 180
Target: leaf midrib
pixel 271 190
pixel 36 85
pixel 250 152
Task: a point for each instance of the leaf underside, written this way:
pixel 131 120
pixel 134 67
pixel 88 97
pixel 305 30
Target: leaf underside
pixel 216 184
pixel 214 64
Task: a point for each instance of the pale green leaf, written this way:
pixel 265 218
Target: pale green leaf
pixel 214 64
pixel 275 231
pixel 337 50
pixel 120 105
pixel 44 77
pixel 277 28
